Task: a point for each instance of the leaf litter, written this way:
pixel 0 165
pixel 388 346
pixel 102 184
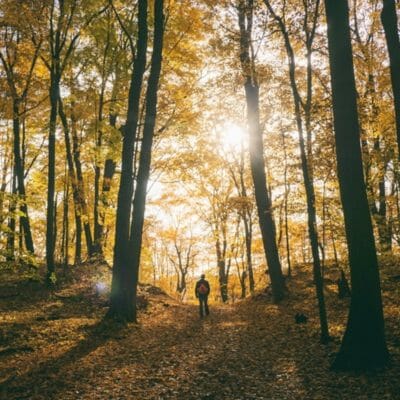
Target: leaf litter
pixel 56 345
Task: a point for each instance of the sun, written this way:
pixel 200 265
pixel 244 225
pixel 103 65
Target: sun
pixel 233 137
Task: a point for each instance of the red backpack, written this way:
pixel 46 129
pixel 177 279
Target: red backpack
pixel 202 289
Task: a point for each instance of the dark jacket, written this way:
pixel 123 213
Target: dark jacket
pixel 198 283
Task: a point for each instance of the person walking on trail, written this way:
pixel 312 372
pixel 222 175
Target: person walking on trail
pixel 202 291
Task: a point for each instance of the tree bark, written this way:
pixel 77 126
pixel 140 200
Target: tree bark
pixel 97 230
pixel 80 184
pixel 380 213
pixel 248 225
pixel 335 254
pixel 19 171
pixel 54 95
pixel 78 240
pixel 18 96
pixel 65 225
pixel 108 173
pixel 256 147
pixel 323 223
pixel 6 162
pixel 222 272
pixel 364 344
pixel 55 225
pixel 139 200
pixel 306 153
pixel 390 26
pixel 77 197
pixel 11 220
pixel 248 233
pixel 286 207
pixel 122 291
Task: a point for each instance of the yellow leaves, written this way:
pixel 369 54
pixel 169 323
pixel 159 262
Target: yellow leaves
pixel 241 203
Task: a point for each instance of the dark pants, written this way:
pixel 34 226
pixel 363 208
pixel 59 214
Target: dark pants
pixel 203 303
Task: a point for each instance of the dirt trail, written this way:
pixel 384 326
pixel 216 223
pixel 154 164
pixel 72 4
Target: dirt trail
pixel 172 354
pixel 250 350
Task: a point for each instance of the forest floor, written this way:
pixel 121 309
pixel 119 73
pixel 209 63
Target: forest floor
pixel 56 345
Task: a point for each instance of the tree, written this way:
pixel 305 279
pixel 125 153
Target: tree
pixel 128 240
pixel 179 244
pixel 57 42
pixel 263 201
pixel 244 207
pixel 310 13
pixel 122 296
pixel 389 22
pixel 15 55
pixel 111 46
pixel 376 156
pixel 76 178
pixel 62 39
pixel 139 199
pixel 363 344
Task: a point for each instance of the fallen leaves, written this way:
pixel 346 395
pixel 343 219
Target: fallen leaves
pixel 250 350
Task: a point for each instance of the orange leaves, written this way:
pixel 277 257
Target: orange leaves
pixel 56 345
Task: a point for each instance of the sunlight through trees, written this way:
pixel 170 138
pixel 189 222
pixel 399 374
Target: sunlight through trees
pixel 250 140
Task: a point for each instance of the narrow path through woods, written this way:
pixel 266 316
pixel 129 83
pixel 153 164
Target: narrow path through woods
pixel 232 354
pixel 249 350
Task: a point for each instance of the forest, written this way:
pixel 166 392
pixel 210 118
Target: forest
pixel 147 143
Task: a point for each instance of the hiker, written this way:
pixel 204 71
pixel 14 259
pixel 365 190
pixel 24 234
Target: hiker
pixel 202 291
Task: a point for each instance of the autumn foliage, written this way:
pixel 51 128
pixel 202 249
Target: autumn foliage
pixel 145 143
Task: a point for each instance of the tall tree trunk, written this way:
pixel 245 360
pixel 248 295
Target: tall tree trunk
pixel 323 223
pixel 19 171
pixel 335 254
pixel 122 304
pixel 55 225
pixel 364 344
pixel 390 26
pixel 108 173
pixel 222 273
pixel 61 19
pixel 78 239
pixel 389 22
pixel 286 206
pixel 65 227
pixel 385 238
pixel 248 233
pixel 11 220
pixel 263 202
pixel 74 183
pixel 54 94
pixel 139 200
pixel 97 230
pixel 80 184
pixel 245 214
pixel 242 279
pixel 19 86
pixel 378 211
pixel 306 154
pixel 6 163
pixel 247 222
pixel 312 231
pixel 97 247
pixel 256 147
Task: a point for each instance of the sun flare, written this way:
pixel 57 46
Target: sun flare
pixel 233 137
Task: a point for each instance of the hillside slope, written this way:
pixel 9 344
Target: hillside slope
pixel 55 345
